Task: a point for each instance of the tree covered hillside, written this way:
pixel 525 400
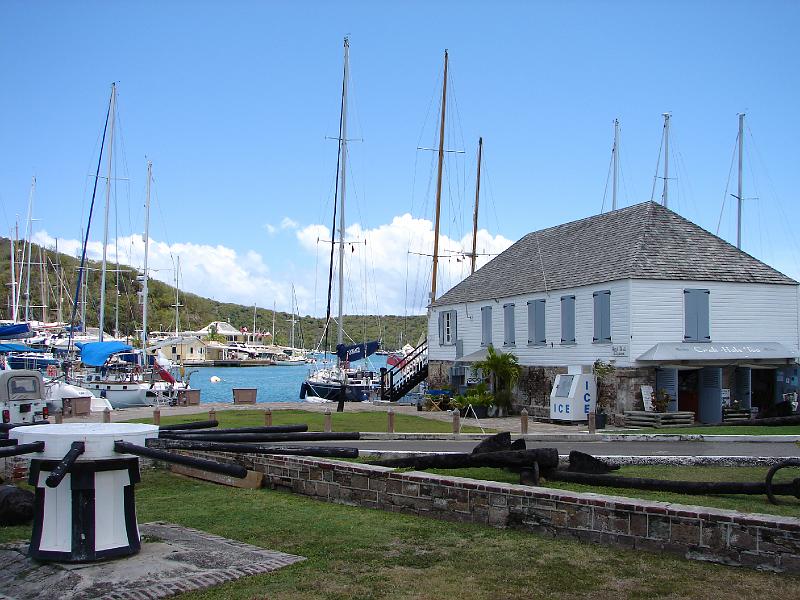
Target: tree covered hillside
pixel 195 311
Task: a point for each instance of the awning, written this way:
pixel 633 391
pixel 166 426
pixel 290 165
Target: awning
pixel 477 356
pixel 95 354
pixel 677 352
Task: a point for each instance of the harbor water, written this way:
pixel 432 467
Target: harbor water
pixel 276 383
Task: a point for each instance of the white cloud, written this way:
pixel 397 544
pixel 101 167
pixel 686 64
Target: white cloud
pixel 387 268
pixel 271 229
pixel 288 223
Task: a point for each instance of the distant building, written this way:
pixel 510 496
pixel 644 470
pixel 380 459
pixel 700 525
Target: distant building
pixel 185 350
pixel 668 303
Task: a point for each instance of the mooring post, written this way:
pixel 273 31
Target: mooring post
pixel 268 417
pixel 212 415
pixel 523 421
pixel 592 426
pixel 390 420
pixel 59 417
pixel 107 415
pixel 456 421
pixel 328 419
pixel 156 416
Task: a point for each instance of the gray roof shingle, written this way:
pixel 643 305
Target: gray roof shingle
pixel 643 241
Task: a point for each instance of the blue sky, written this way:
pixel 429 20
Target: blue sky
pixel 233 102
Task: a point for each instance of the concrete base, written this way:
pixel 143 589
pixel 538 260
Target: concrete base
pixel 173 559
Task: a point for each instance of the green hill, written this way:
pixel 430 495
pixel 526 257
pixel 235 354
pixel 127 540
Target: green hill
pixel 196 311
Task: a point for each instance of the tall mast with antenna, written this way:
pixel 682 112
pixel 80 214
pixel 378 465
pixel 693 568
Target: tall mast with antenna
pixel 343 175
pixel 108 205
pixel 177 297
pixel 28 245
pixel 477 199
pixel 146 255
pixel 740 197
pixel 665 195
pixel 13 262
pixel 615 158
pixel 439 184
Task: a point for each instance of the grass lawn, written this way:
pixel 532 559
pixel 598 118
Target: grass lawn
pixel 743 503
pixel 723 430
pixel 356 553
pixel 346 421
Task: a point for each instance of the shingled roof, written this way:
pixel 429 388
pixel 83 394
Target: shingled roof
pixel 643 241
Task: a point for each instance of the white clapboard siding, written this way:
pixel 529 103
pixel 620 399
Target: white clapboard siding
pixel 738 312
pixel 584 351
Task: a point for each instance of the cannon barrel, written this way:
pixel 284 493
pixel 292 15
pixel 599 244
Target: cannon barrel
pixel 190 461
pixel 6 442
pixel 262 437
pixel 20 449
pixel 62 468
pixel 318 451
pixel 261 429
pixel 192 425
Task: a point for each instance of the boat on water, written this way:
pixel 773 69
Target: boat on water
pixel 340 382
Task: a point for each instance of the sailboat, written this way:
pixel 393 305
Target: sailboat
pixel 341 382
pixel 292 356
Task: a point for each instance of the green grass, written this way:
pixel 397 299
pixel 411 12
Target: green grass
pixel 740 502
pixel 722 430
pixel 356 553
pixel 374 421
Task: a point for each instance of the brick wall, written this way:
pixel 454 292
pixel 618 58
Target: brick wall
pixel 696 533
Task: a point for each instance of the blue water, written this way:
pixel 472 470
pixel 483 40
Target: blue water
pixel 274 384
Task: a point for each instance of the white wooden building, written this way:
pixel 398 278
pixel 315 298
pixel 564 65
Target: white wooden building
pixel 642 287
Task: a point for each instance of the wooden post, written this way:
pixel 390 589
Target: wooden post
pixel 59 417
pixel 592 428
pixel 523 421
pixel 456 421
pixel 107 415
pixel 212 415
pixel 268 417
pixel 328 419
pixel 390 420
pixel 156 416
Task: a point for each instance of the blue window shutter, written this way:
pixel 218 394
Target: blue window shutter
pixel 441 328
pixel 508 325
pixel 541 336
pixel 690 315
pixel 531 321
pixel 486 325
pixel 567 319
pixel 605 314
pixel 598 316
pixel 703 319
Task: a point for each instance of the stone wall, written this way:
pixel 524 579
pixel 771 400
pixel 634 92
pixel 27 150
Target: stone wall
pixel 699 533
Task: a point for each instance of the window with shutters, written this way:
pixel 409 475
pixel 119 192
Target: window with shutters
pixel 486 325
pixel 602 317
pixel 567 319
pixel 508 325
pixel 697 327
pixel 536 334
pixel 447 328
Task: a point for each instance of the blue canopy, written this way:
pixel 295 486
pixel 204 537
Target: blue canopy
pixel 16 330
pixel 95 354
pixel 17 348
pixel 356 351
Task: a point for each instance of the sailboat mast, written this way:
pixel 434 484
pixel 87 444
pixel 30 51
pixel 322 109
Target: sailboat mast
pixel 102 318
pixel 615 156
pixel 439 184
pixel 666 160
pixel 146 255
pixel 343 176
pixel 254 322
pixel 43 284
pixel 28 244
pixel 740 197
pixel 477 199
pixel 273 322
pixel 177 297
pixel 14 303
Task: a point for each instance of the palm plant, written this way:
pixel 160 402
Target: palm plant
pixel 503 370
